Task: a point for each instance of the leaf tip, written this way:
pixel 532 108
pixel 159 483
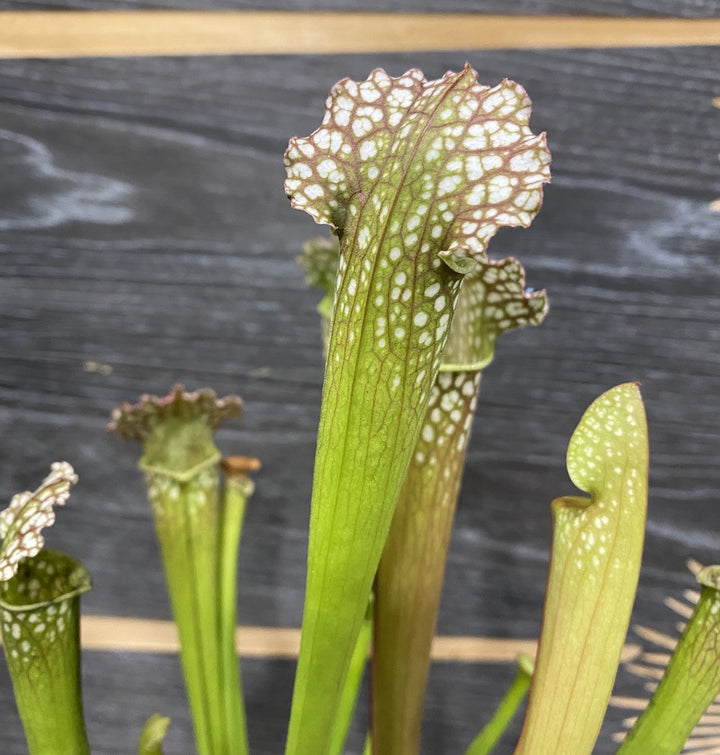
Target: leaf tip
pixel 709 576
pixel 611 433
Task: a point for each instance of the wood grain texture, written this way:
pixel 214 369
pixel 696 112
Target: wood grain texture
pixel 658 8
pixel 143 227
pixel 84 33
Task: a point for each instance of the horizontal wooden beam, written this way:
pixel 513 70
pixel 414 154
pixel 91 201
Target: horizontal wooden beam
pixel 53 34
pixel 146 636
pixel 113 633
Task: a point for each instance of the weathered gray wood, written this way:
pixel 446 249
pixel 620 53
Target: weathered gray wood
pixel 143 226
pixel 672 8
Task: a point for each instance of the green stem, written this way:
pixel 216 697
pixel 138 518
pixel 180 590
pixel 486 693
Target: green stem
pixel 349 694
pixel 367 748
pixel 486 740
pixel 371 417
pixel 152 735
pixel 238 488
pixel 691 681
pixel 41 636
pixel 187 527
pixel 410 576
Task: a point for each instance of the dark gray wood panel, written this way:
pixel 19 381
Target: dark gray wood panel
pixel 143 226
pixel 651 8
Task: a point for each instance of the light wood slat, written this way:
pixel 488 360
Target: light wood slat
pixel 49 34
pixel 154 636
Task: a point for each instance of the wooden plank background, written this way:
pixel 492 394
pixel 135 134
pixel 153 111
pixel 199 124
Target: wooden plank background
pixel 614 8
pixel 145 239
pixel 81 33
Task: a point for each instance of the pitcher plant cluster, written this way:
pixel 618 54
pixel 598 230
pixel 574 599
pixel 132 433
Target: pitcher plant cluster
pixel 414 178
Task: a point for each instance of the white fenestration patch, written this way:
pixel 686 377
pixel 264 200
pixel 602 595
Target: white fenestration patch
pixel 363 238
pixel 314 191
pixel 368 149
